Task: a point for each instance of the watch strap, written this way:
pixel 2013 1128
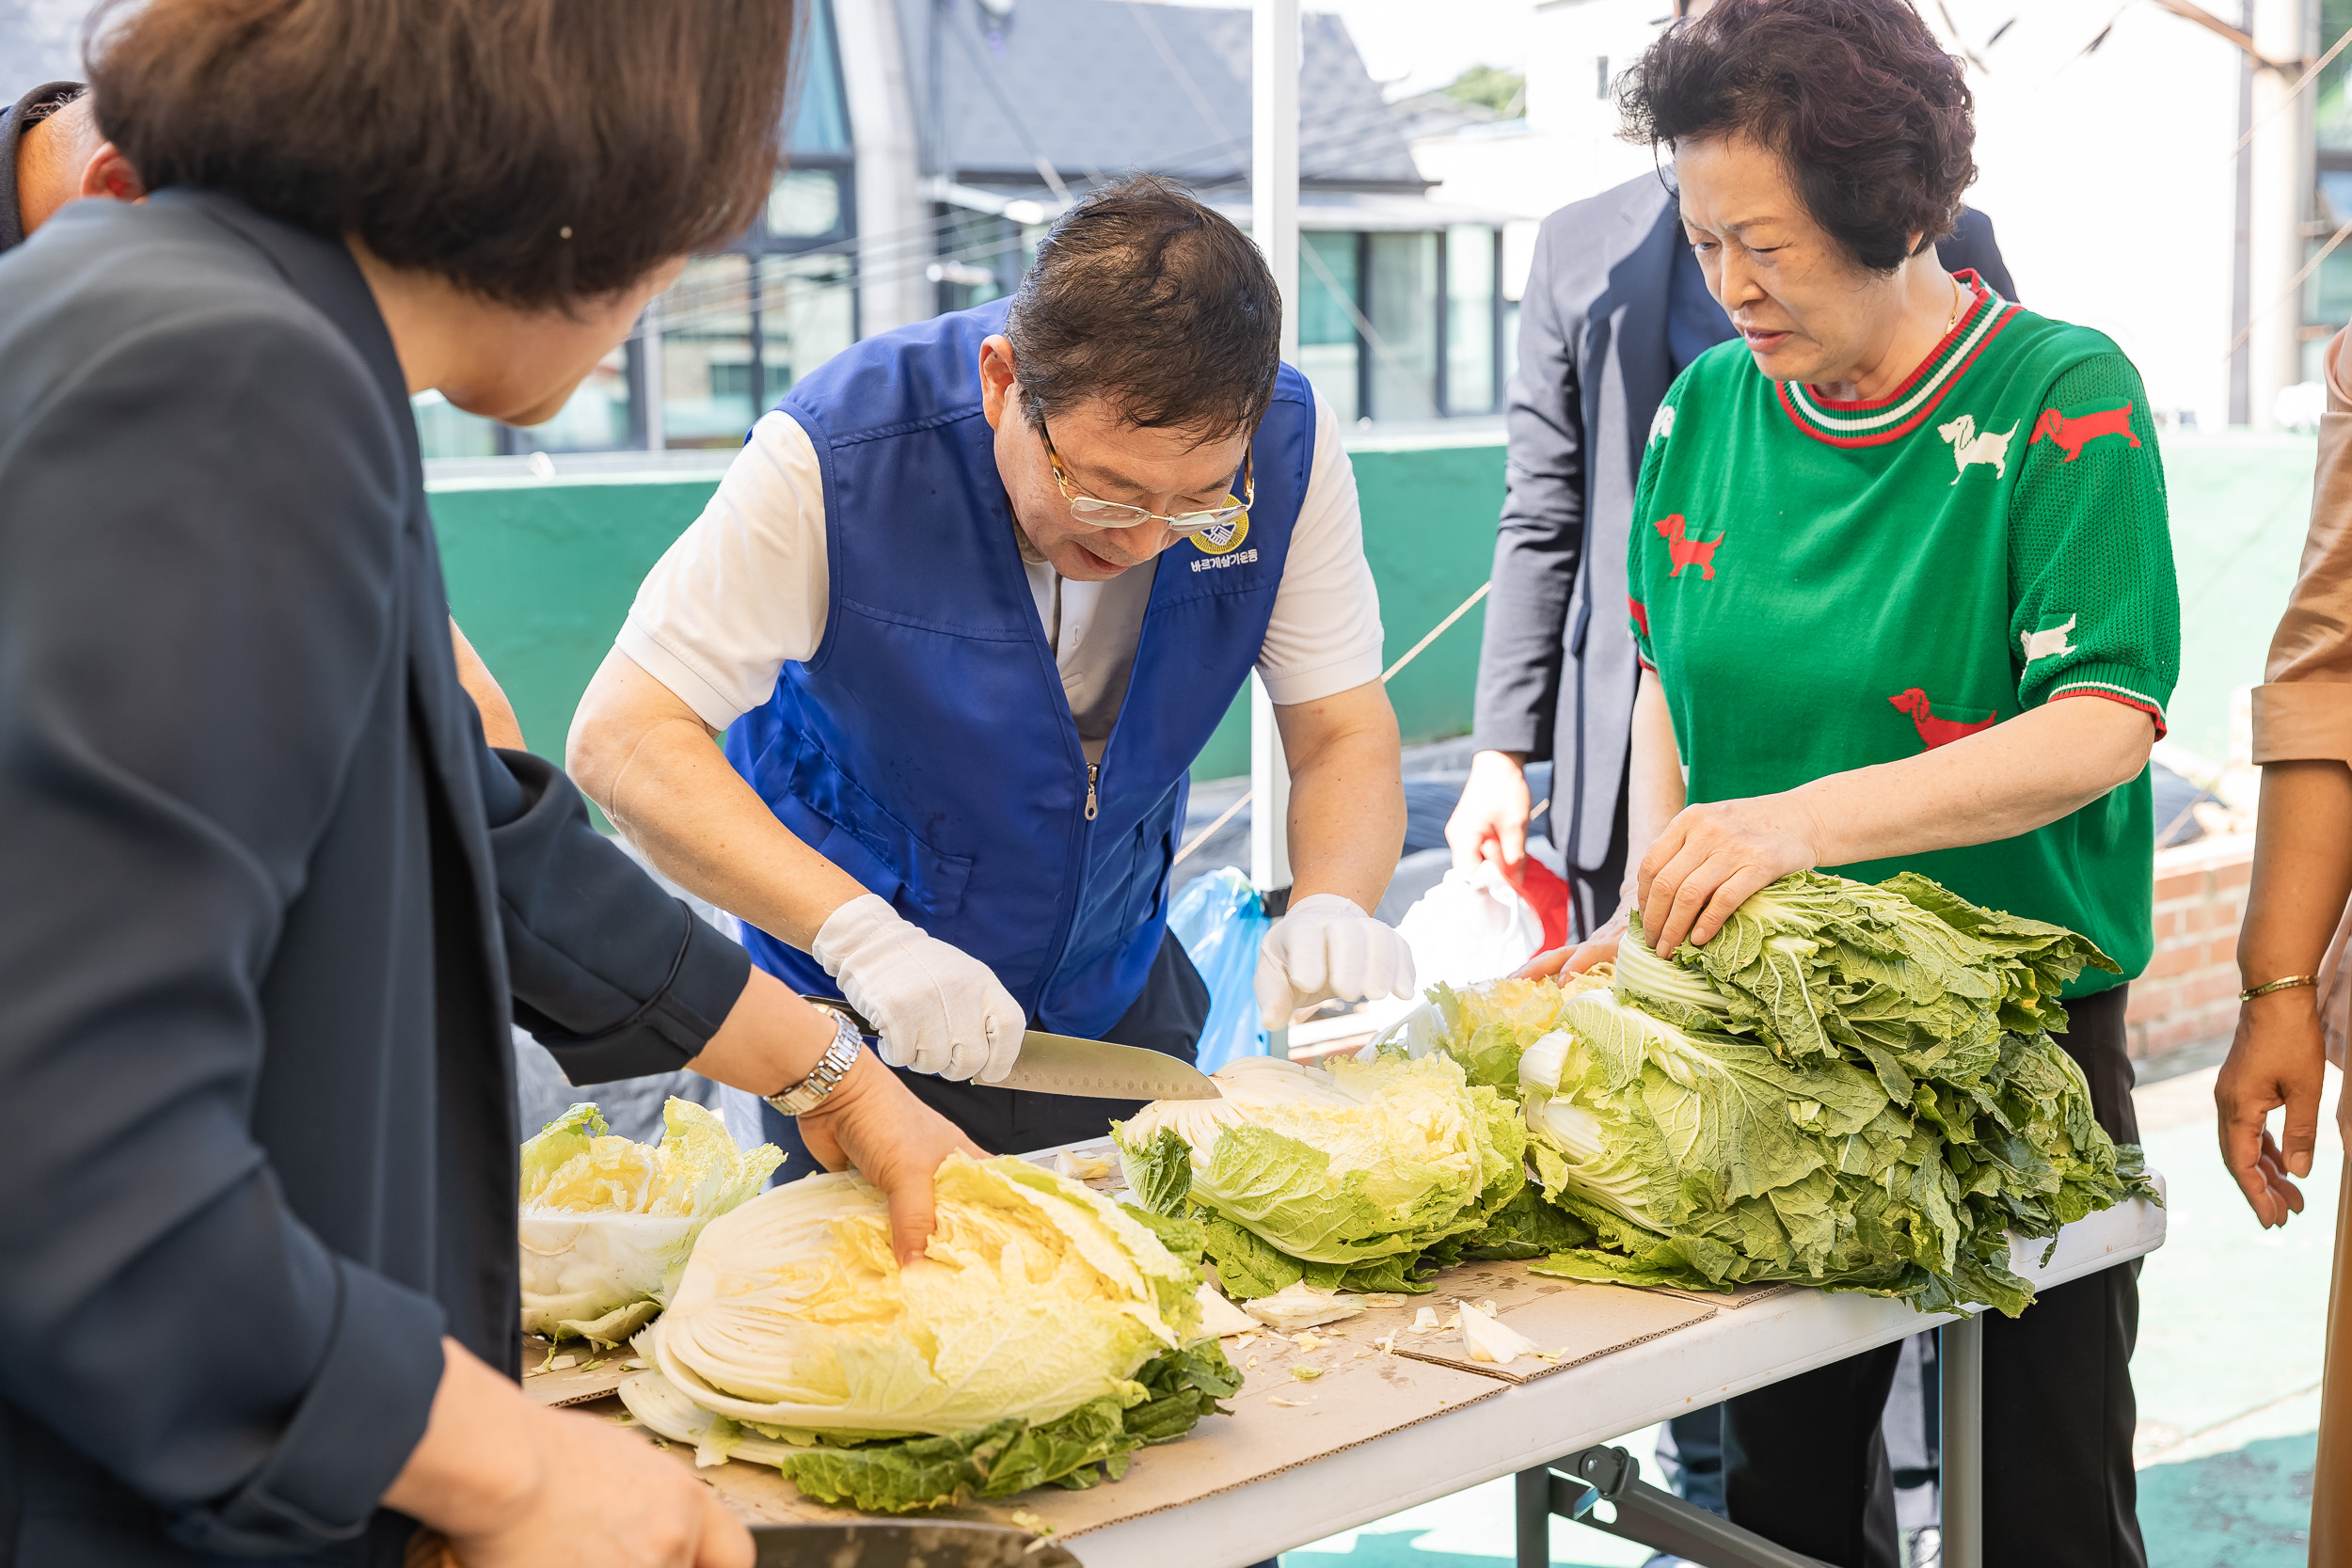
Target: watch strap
pixel 797 1099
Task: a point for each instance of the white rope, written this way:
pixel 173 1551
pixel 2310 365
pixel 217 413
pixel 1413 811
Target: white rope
pixel 1411 654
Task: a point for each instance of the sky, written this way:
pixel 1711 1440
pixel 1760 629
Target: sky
pixel 1400 46
pixel 1403 50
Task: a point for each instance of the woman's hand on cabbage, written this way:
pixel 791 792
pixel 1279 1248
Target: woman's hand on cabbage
pixel 1577 958
pixel 1711 857
pixel 874 1122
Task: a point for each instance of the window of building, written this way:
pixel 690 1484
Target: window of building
pixel 1402 301
pixel 1404 325
pixel 1329 348
pixel 1473 265
pixel 706 354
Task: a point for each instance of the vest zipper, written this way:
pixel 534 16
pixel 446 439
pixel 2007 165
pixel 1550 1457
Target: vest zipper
pixel 1094 771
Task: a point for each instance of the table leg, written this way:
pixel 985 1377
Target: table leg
pixel 1535 1516
pixel 1960 1362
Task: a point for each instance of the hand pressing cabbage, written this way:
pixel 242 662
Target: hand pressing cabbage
pixel 1347 1178
pixel 607 1222
pixel 1046 1334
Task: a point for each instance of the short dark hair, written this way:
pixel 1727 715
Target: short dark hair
pixel 1873 117
pixel 536 152
pixel 1146 298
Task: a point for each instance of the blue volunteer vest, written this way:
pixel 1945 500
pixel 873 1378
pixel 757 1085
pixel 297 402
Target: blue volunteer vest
pixel 927 750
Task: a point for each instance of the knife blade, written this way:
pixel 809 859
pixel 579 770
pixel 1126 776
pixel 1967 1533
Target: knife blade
pixel 1064 1063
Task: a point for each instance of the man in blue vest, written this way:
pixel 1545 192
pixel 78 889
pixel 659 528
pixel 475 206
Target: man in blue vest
pixel 917 695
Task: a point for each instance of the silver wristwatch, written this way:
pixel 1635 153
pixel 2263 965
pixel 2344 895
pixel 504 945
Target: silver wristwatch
pixel 812 1091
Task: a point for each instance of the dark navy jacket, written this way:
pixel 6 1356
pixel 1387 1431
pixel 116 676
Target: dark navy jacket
pixel 927 750
pixel 264 895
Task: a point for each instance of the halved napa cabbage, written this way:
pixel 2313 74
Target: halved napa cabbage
pixel 1035 1296
pixel 1343 1177
pixel 606 1222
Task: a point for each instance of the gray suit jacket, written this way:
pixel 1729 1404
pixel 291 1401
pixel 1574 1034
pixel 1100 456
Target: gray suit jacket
pixel 1556 673
pixel 268 895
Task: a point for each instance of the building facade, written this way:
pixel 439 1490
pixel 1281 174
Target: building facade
pixel 933 143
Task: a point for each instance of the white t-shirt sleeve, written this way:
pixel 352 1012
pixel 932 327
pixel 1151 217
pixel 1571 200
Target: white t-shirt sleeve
pixel 744 589
pixel 1325 636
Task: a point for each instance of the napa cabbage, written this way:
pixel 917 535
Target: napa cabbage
pixel 1046 1331
pixel 607 1222
pixel 1848 1086
pixel 1347 1177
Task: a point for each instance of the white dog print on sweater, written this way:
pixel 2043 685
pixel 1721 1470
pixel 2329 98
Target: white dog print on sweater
pixel 1991 448
pixel 2043 644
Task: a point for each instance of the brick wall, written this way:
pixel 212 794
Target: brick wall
pixel 2189 993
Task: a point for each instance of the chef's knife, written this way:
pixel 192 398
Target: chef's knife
pixel 1063 1064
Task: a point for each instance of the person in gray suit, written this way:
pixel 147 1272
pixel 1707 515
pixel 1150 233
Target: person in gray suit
pixel 1615 306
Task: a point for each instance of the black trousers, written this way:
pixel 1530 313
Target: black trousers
pixel 1166 1016
pixel 1593 891
pixel 1805 1463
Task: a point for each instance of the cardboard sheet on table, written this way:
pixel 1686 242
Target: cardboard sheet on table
pixel 594 1374
pixel 1560 1315
pixel 1357 1395
pixel 1730 1300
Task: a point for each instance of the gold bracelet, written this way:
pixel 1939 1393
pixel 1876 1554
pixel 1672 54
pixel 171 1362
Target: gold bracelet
pixel 2267 986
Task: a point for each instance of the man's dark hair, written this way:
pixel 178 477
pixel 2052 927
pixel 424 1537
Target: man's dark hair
pixel 1872 118
pixel 1145 298
pixel 537 152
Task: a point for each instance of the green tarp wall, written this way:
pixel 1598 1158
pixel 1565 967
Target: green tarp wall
pixel 541 573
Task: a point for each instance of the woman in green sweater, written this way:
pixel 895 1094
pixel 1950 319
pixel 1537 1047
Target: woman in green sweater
pixel 1881 539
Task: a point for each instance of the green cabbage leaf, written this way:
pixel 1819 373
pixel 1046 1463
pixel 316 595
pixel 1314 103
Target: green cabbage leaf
pixel 1345 1178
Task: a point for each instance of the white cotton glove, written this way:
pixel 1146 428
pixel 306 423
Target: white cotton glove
pixel 937 1008
pixel 1328 946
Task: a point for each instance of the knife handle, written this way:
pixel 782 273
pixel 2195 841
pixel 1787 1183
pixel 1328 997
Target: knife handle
pixel 428 1548
pixel 834 1005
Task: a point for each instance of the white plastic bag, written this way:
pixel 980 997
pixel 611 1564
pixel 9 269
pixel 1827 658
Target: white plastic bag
pixel 1473 926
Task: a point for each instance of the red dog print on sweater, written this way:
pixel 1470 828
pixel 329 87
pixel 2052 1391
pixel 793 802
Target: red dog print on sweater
pixel 1688 552
pixel 1933 731
pixel 2075 433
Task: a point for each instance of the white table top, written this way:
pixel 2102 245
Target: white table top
pixel 1527 1425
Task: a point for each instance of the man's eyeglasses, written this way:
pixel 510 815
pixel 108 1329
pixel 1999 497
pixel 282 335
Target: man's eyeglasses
pixel 1102 514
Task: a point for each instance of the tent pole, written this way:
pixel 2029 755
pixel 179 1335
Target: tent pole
pixel 1273 221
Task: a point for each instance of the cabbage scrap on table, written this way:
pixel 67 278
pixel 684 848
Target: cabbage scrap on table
pixel 607 1222
pixel 1849 1087
pixel 1366 1176
pixel 1048 1334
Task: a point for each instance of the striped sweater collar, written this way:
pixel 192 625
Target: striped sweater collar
pixel 1907 407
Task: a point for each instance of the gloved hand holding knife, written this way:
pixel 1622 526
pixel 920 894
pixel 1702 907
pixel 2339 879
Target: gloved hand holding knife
pixel 935 1008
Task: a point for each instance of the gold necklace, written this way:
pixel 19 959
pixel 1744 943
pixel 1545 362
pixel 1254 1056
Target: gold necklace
pixel 1953 320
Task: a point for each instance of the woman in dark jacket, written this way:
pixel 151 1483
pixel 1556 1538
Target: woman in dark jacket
pixel 268 893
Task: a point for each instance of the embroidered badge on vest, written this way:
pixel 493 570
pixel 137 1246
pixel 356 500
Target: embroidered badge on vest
pixel 1224 538
pixel 1217 545
pixel 1991 448
pixel 2075 432
pixel 1687 551
pixel 1934 732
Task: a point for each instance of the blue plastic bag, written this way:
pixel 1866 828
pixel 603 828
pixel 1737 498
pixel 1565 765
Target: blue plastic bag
pixel 1220 920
